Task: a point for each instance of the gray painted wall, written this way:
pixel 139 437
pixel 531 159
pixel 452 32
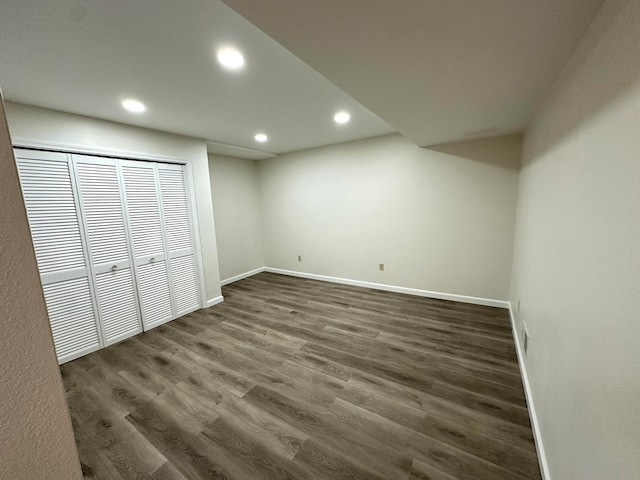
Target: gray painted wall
pixel 577 256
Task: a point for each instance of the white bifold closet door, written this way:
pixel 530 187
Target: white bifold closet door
pixel 114 241
pixel 49 191
pixel 179 237
pixel 146 225
pixel 106 228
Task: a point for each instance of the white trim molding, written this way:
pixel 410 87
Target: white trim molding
pixel 535 425
pixel 378 286
pixel 392 288
pixel 67 147
pixel 215 301
pixel 235 278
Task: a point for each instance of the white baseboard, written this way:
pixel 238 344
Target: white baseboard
pixel 535 425
pixel 379 286
pixel 392 288
pixel 215 301
pixel 235 278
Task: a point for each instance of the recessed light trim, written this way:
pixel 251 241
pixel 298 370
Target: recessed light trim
pixel 230 58
pixel 134 106
pixel 261 137
pixel 342 117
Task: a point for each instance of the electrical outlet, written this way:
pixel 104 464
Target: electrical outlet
pixel 381 267
pixel 299 258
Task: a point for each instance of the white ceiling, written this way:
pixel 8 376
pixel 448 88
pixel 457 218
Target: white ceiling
pixel 436 70
pixel 84 57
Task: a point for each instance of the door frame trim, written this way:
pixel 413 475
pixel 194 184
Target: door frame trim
pixel 21 142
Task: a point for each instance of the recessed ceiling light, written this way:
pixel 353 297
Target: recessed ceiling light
pixel 341 117
pixel 230 58
pixel 261 137
pixel 134 106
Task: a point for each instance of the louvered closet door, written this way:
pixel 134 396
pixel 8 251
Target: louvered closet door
pixel 106 232
pixel 179 235
pixel 48 190
pixel 146 226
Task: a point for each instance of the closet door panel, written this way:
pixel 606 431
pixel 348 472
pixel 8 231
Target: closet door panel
pixel 176 207
pixel 143 206
pixel 146 226
pixel 106 230
pixel 73 321
pixel 102 209
pixel 155 294
pixel 50 197
pixel 179 235
pixel 51 209
pixel 185 284
pixel 118 307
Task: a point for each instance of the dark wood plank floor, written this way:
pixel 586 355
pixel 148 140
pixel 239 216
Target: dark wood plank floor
pixel 299 379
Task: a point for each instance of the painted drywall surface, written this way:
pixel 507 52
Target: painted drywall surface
pixel 36 438
pixel 439 219
pixel 50 126
pixel 236 207
pixel 577 255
